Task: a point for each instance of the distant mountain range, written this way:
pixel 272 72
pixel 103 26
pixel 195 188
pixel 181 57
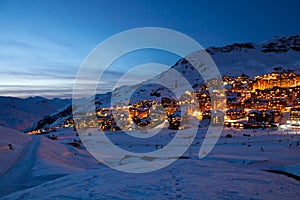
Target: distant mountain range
pixel 20 113
pixel 239 58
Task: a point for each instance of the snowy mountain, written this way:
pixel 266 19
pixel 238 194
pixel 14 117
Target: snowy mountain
pixel 55 119
pixel 240 58
pixel 21 113
pixel 257 58
pixel 248 165
pixel 251 59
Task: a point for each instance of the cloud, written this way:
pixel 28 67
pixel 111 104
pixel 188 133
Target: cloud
pixel 62 93
pixel 49 62
pixel 49 83
pixel 18 44
pixel 38 74
pixel 54 40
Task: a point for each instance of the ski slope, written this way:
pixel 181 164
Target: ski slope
pixel 235 169
pixel 36 159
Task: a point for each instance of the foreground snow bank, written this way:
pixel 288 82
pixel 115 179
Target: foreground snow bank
pixel 18 141
pixel 34 160
pixel 186 179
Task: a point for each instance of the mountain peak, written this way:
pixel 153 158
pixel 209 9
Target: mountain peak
pixel 281 44
pixel 277 44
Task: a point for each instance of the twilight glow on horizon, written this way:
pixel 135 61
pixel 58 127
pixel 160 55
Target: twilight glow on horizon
pixel 43 43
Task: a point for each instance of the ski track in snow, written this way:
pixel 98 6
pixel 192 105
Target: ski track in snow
pixel 12 180
pixel 19 175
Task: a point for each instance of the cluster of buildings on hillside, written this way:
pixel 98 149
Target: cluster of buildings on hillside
pixel 142 114
pixel 265 101
pixel 261 102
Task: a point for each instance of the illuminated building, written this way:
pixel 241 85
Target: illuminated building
pixel 256 103
pixel 233 114
pixel 174 120
pixel 297 103
pixel 261 116
pixel 204 100
pixel 295 115
pixel 206 114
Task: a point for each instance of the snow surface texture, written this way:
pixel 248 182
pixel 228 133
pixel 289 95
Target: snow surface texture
pixel 258 58
pixel 34 160
pixel 235 169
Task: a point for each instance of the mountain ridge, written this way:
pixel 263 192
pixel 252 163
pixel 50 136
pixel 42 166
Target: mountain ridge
pixel 21 113
pixel 251 59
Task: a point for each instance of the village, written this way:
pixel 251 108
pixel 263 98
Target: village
pixel 266 101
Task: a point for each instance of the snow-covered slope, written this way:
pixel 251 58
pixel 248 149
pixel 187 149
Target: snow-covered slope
pixel 257 58
pixel 55 119
pixel 245 58
pixel 36 159
pixel 235 169
pixel 18 140
pixel 20 113
pixel 251 59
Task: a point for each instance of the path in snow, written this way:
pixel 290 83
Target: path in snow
pixel 15 178
pixel 19 175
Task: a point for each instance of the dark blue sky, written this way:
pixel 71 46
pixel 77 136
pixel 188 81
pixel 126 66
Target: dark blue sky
pixel 42 43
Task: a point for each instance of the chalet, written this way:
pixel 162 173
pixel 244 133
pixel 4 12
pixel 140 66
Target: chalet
pixel 233 103
pixel 139 113
pixel 295 115
pixel 166 102
pixel 277 103
pixel 174 120
pixel 217 118
pixel 297 103
pixel 206 114
pixel 234 114
pixel 295 92
pixel 256 103
pixel 105 119
pixel 204 100
pixel 269 93
pixel 261 116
